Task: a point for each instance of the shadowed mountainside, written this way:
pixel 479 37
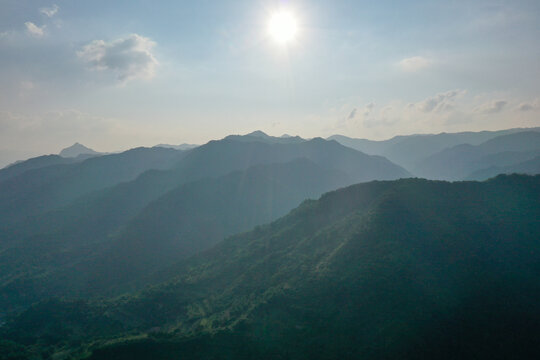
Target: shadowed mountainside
pixel 530 167
pixel 458 162
pixel 407 151
pixel 408 269
pixel 75 249
pixel 46 188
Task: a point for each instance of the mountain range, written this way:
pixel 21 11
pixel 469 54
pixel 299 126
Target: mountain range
pixel 74 240
pixel 408 269
pixel 256 246
pixel 412 150
pixel 460 161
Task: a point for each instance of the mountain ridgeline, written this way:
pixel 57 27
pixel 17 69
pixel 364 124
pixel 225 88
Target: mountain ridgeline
pixel 77 150
pixel 49 187
pixel 405 269
pixel 463 160
pixel 261 247
pixel 88 237
pixel 458 156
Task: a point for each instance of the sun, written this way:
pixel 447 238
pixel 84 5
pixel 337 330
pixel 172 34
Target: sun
pixel 283 27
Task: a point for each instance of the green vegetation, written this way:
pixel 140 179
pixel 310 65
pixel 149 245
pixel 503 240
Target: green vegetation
pixel 109 241
pixel 409 269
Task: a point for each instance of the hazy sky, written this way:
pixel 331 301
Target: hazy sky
pixel 119 74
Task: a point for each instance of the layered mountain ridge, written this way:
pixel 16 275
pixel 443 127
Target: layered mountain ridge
pixel 395 269
pixel 70 242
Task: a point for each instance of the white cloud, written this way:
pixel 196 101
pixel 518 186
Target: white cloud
pixel 130 57
pixel 49 11
pixel 415 63
pixel 492 107
pixel 451 111
pixel 440 102
pixel 34 30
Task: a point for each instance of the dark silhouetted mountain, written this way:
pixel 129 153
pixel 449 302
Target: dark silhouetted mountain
pixel 458 162
pixel 218 158
pixel 76 150
pixel 407 269
pixel 221 157
pixel 190 219
pixel 262 137
pixel 407 151
pixel 36 163
pixel 531 167
pixel 46 188
pixel 88 228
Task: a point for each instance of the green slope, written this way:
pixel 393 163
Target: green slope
pixel 191 218
pixel 403 269
pixel 49 254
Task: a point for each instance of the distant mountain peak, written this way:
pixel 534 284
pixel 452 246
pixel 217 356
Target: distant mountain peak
pixel 76 150
pixel 258 133
pixel 260 136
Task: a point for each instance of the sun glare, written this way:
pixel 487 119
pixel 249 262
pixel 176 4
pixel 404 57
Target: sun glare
pixel 283 27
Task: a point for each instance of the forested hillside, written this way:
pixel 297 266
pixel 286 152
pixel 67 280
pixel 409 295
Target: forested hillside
pixel 397 269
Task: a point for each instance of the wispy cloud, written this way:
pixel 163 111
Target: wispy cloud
pixel 49 11
pixel 440 102
pixel 34 30
pixel 492 107
pixel 529 106
pixel 130 58
pixel 415 63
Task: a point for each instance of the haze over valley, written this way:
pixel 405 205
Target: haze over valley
pixel 269 180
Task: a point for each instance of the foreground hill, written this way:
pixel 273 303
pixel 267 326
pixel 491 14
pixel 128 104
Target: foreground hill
pixel 408 269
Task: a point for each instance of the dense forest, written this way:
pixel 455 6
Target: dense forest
pixel 386 269
pixel 269 180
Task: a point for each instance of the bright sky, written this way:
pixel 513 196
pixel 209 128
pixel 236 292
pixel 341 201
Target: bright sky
pixel 118 74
